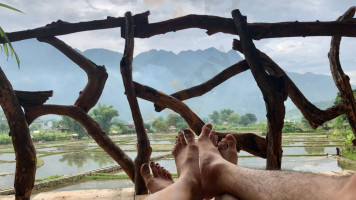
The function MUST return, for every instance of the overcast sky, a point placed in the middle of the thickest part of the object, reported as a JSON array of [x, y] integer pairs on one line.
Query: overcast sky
[[292, 54]]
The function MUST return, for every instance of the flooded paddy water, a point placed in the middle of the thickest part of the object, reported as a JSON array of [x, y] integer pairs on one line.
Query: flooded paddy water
[[301, 153]]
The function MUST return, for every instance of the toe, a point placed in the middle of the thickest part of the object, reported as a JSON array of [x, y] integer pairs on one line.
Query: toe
[[182, 140], [169, 175], [231, 141], [145, 172], [189, 135], [159, 170], [164, 173], [222, 145], [213, 138], [206, 130], [154, 169]]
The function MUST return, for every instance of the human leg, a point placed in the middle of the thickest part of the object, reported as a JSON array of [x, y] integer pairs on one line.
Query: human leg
[[219, 176], [188, 185]]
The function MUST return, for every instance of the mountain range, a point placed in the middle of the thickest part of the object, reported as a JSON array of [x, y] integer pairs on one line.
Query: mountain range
[[44, 68]]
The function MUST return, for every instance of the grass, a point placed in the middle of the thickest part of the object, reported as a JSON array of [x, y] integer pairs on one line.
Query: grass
[[350, 156], [49, 178], [39, 162]]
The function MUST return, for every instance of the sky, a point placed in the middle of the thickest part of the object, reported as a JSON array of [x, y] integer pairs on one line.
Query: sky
[[292, 54]]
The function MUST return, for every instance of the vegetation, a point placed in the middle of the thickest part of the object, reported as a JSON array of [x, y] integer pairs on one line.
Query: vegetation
[[163, 125], [228, 116]]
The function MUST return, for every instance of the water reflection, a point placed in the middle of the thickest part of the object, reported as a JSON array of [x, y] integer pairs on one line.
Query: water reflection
[[314, 150], [82, 158]]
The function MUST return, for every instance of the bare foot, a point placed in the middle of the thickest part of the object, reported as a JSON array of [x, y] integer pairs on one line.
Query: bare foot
[[160, 180], [212, 164], [227, 149], [188, 185]]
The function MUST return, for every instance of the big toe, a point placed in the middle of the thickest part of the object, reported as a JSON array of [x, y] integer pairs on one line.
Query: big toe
[[145, 172], [231, 141], [206, 130], [189, 135]]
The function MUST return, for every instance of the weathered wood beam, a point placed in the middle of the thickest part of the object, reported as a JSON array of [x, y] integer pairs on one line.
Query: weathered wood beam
[[341, 80], [92, 127], [212, 24], [97, 75], [255, 144], [144, 149], [62, 28], [21, 139], [27, 98], [272, 88], [210, 84], [315, 116]]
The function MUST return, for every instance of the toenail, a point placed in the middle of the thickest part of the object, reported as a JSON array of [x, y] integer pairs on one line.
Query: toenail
[[180, 132], [186, 131], [157, 164], [145, 166], [152, 163]]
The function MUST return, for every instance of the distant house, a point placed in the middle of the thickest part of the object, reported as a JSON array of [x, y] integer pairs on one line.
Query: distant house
[[36, 131], [225, 123], [172, 128], [62, 129], [75, 136], [114, 132]]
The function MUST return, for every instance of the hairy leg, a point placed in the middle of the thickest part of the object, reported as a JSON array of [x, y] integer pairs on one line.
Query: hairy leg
[[220, 176], [188, 185]]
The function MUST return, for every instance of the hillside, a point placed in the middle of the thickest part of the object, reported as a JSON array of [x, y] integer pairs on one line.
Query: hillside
[[45, 68]]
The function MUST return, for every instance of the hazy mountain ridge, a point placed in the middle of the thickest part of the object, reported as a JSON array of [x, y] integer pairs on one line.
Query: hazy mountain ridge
[[45, 68]]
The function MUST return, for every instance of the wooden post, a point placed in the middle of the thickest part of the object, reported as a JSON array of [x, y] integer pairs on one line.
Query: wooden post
[[144, 149], [273, 90], [21, 139], [341, 80]]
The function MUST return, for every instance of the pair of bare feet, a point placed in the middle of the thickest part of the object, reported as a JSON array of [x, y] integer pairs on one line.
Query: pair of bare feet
[[195, 181]]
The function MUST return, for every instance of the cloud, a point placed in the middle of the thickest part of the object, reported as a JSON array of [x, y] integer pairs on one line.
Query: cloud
[[293, 54]]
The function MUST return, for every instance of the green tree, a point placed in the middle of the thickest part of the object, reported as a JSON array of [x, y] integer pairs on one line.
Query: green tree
[[247, 119], [105, 116], [233, 118], [172, 119], [305, 123], [224, 114], [73, 126], [214, 117], [338, 122], [160, 125]]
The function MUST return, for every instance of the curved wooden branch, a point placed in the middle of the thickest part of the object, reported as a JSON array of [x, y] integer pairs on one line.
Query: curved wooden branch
[[28, 99], [62, 28], [144, 149], [97, 75], [212, 24], [21, 139], [313, 114], [210, 84], [92, 127], [256, 145], [341, 80], [272, 88]]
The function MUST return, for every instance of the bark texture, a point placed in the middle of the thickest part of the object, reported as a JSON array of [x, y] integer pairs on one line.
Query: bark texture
[[21, 139], [272, 88], [144, 149], [341, 80]]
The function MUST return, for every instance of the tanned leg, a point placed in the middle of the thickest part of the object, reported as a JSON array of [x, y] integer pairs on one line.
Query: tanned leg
[[220, 176], [188, 185]]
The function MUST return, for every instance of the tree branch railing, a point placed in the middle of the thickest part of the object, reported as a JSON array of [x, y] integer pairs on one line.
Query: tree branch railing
[[274, 84], [92, 127]]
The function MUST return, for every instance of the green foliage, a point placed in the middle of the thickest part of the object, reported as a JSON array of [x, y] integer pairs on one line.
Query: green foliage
[[73, 126], [228, 115], [248, 118], [305, 123], [6, 45], [338, 122], [160, 125], [54, 136], [5, 139], [105, 116], [291, 127]]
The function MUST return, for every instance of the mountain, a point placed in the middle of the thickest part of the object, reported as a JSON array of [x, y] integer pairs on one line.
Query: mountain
[[45, 68]]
